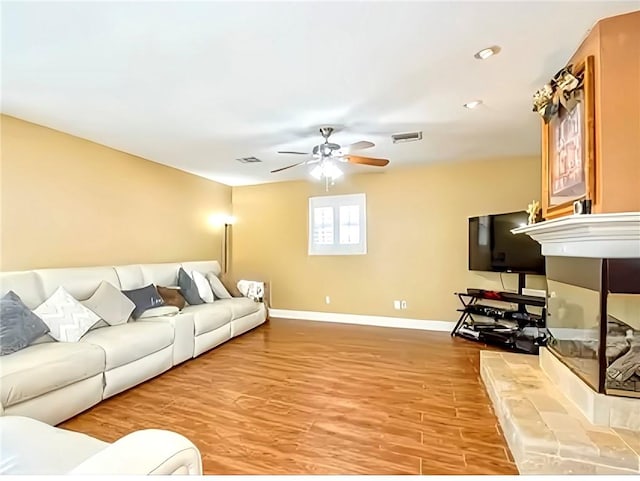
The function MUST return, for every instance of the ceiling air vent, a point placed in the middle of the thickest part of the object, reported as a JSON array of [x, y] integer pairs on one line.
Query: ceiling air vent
[[408, 137], [248, 160]]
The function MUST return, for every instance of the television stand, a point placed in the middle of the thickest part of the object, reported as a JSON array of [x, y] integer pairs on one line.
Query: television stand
[[522, 282], [515, 329]]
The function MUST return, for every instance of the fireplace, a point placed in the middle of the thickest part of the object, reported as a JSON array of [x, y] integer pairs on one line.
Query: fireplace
[[593, 313], [594, 320]]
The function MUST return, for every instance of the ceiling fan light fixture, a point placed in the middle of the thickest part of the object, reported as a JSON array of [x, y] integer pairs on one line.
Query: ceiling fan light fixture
[[485, 53], [326, 170], [473, 104]]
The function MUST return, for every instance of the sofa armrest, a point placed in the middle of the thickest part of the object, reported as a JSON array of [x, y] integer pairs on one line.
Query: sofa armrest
[[149, 451]]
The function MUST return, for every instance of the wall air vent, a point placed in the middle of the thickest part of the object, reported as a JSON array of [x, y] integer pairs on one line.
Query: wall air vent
[[407, 137], [248, 160]]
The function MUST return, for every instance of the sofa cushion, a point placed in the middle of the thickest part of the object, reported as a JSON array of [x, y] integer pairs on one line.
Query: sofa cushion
[[129, 277], [110, 304], [68, 320], [131, 341], [218, 287], [24, 283], [171, 296], [80, 282], [19, 327], [207, 317], [144, 298], [42, 368], [188, 288], [165, 274], [202, 266], [240, 306], [159, 312]]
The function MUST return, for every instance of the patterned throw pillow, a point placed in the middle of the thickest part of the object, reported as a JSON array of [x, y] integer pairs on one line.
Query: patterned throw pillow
[[172, 297], [188, 288], [144, 298], [67, 319], [19, 327], [204, 289]]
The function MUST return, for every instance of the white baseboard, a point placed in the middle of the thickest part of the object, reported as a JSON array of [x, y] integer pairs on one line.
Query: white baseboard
[[380, 321]]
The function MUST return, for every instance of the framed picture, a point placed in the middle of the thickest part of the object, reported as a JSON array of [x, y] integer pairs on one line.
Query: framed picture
[[569, 150]]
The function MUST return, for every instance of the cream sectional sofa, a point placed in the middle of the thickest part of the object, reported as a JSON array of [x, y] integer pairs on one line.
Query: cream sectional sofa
[[31, 447], [53, 381]]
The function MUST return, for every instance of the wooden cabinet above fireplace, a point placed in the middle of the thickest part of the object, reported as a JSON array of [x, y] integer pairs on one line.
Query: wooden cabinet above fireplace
[[611, 142]]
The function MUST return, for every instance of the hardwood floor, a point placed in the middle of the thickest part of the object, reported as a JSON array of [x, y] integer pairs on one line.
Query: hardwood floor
[[299, 397]]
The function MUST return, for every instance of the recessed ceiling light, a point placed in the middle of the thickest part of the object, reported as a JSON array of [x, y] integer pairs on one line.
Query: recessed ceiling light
[[485, 53], [473, 104]]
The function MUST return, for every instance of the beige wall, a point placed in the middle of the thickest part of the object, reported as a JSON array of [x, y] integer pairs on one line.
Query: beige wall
[[66, 201], [417, 238]]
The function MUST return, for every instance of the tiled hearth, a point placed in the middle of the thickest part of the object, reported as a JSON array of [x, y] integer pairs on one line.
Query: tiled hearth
[[547, 433]]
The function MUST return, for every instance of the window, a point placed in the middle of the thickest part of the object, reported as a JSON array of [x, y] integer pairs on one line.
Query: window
[[323, 226], [337, 225]]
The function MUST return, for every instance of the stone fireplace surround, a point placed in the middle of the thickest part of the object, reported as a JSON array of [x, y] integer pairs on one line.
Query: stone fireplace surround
[[553, 421]]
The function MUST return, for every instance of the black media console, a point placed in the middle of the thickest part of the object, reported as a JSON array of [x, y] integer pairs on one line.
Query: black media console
[[512, 328]]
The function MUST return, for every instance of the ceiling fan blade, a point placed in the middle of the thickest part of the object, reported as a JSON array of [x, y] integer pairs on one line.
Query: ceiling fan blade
[[363, 144], [288, 167], [355, 159], [292, 152]]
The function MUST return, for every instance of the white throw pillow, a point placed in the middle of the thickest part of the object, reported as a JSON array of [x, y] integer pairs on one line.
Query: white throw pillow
[[218, 287], [204, 289], [67, 319], [110, 304]]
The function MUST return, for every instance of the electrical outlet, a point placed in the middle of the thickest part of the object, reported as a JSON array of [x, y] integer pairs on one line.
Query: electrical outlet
[[403, 304], [327, 300], [396, 305]]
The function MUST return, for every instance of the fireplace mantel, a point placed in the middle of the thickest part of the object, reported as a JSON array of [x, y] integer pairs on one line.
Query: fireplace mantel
[[588, 235]]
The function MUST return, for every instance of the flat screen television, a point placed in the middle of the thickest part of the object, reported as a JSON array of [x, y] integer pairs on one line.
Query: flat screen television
[[492, 246]]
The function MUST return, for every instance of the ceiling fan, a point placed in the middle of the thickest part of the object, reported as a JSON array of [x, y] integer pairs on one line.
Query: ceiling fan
[[325, 153]]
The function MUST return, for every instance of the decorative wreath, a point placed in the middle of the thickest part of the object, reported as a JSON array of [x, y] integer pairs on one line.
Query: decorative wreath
[[561, 90]]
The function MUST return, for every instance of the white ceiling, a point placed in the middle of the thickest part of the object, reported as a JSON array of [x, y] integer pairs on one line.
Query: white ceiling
[[196, 85]]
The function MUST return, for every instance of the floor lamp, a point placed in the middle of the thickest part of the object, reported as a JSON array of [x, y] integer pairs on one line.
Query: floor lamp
[[226, 243]]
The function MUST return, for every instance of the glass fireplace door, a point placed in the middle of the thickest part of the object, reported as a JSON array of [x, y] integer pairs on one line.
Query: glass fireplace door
[[573, 314], [593, 316]]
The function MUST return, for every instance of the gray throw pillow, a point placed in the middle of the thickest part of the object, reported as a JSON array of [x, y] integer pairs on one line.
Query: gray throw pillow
[[188, 288], [19, 327], [110, 304], [144, 298]]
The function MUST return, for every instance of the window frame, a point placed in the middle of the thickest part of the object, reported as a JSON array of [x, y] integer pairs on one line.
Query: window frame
[[335, 202]]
